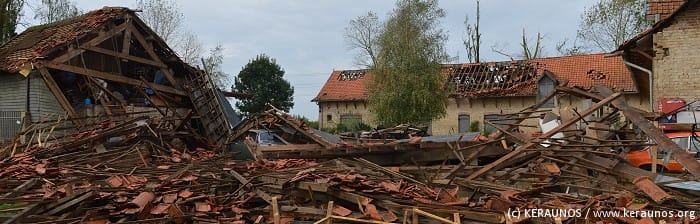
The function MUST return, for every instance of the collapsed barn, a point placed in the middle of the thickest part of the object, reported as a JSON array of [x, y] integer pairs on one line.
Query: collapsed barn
[[130, 172], [105, 62]]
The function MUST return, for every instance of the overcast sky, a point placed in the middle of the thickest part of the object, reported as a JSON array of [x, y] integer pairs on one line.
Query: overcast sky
[[306, 36]]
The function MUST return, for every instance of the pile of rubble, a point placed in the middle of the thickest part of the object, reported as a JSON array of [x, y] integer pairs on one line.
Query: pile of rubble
[[143, 169]]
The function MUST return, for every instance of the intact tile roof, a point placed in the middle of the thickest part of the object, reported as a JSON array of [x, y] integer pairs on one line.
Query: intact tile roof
[[498, 79], [39, 41], [587, 70], [663, 7]]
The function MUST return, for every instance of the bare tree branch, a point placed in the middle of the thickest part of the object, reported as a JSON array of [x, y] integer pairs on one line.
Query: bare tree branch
[[361, 34], [50, 11], [609, 23]]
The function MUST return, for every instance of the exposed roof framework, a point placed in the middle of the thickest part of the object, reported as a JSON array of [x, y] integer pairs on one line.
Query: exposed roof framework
[[112, 57], [517, 78]]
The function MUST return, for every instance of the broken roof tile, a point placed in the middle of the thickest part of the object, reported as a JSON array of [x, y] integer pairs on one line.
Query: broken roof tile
[[582, 71]]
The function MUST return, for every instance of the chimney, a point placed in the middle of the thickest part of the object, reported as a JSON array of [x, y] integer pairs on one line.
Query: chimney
[[660, 9]]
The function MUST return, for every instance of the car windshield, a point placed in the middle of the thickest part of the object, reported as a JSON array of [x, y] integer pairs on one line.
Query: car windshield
[[681, 141], [266, 136], [693, 145]]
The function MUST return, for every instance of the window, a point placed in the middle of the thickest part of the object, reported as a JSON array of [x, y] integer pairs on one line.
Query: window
[[463, 123], [501, 120], [545, 86], [329, 117], [350, 119]]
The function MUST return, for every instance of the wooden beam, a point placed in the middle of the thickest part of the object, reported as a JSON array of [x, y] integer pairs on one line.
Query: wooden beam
[[149, 49], [56, 91], [94, 42], [113, 77], [123, 56], [665, 143], [126, 43], [546, 135]]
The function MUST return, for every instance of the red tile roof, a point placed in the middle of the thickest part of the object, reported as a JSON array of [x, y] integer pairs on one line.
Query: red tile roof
[[39, 41], [587, 70], [581, 71], [339, 88], [663, 7]]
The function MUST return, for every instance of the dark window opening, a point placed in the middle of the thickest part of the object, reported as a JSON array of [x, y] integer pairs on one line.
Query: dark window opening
[[464, 122]]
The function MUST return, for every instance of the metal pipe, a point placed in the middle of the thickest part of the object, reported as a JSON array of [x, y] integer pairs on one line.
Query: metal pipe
[[651, 81]]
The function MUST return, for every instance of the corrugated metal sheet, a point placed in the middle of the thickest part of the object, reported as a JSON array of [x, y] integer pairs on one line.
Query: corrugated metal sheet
[[10, 124]]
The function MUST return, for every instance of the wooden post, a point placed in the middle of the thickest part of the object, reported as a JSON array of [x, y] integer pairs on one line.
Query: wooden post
[[329, 212], [405, 216], [275, 211], [414, 217], [654, 157], [458, 220]]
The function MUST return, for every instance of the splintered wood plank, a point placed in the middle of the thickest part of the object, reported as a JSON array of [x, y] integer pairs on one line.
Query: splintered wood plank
[[548, 134], [665, 143]]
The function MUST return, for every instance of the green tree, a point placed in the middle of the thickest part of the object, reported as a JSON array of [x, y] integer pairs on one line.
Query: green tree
[[50, 11], [407, 86], [10, 13], [263, 78], [607, 24]]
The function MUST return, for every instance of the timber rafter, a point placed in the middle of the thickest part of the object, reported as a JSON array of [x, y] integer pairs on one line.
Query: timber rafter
[[129, 32]]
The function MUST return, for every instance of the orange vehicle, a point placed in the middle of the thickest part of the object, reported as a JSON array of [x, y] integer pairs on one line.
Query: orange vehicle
[[686, 140]]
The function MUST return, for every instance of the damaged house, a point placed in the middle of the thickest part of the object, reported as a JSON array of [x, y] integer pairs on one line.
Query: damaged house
[[105, 62], [488, 91], [664, 61]]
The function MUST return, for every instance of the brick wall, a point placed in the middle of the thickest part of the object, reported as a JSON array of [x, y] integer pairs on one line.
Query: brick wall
[[677, 57]]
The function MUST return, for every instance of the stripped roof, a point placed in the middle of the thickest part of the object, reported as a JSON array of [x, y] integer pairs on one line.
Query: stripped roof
[[497, 79], [516, 78], [40, 41]]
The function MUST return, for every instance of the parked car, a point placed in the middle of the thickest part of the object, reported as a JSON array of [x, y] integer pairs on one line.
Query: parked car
[[686, 140], [261, 137], [265, 137]]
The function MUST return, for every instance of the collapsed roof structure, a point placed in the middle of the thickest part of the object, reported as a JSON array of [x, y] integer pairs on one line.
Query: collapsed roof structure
[[108, 61]]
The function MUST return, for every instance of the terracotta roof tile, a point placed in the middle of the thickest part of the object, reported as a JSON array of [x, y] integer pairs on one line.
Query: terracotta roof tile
[[663, 7], [581, 71], [587, 70], [339, 88], [39, 41]]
